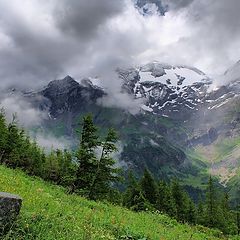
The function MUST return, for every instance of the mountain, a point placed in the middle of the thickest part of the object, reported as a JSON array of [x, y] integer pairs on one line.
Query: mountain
[[142, 143], [184, 128], [171, 91]]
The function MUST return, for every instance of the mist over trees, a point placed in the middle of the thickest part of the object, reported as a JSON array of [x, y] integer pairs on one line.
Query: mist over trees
[[91, 172]]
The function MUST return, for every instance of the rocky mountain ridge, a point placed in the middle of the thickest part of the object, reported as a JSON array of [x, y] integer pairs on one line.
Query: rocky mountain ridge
[[180, 113]]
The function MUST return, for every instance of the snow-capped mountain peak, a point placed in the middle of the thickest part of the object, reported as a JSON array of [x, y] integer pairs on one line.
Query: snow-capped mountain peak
[[168, 89]]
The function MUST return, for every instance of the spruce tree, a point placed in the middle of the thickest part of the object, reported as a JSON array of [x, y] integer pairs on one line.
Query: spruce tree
[[191, 212], [181, 200], [86, 157], [211, 205], [149, 187], [131, 191], [200, 213], [238, 219], [3, 135], [95, 176], [165, 201], [106, 172]]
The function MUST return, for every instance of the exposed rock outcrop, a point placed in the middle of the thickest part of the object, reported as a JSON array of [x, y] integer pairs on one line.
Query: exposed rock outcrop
[[10, 206]]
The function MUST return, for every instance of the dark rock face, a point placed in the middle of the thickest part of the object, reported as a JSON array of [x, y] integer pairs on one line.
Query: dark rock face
[[67, 95], [10, 206], [205, 139], [174, 91]]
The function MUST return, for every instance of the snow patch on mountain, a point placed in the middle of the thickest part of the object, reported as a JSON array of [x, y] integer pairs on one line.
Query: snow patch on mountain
[[166, 88]]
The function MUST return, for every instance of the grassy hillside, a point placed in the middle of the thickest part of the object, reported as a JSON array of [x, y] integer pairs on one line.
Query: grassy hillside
[[223, 157], [49, 213]]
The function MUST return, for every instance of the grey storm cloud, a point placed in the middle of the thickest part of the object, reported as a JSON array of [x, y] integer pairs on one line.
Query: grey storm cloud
[[177, 4], [40, 39], [84, 18], [45, 40]]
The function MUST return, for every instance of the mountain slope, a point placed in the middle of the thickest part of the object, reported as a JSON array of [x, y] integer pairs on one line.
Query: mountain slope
[[143, 141], [49, 213], [173, 91], [181, 114]]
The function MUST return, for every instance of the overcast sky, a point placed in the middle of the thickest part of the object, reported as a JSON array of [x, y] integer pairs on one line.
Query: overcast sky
[[41, 40]]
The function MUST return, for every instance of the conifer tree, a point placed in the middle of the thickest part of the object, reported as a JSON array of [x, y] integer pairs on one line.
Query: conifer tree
[[191, 212], [67, 169], [238, 219], [211, 205], [131, 191], [165, 202], [3, 135], [86, 158], [106, 173], [200, 213], [149, 187], [94, 176], [181, 200]]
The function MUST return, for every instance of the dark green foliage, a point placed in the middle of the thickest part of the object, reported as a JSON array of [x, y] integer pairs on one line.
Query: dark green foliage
[[90, 175], [165, 201], [191, 216], [131, 191], [238, 219], [149, 187], [211, 204], [86, 157], [134, 198], [181, 200], [106, 173], [18, 150], [200, 213], [171, 199], [4, 135], [95, 175]]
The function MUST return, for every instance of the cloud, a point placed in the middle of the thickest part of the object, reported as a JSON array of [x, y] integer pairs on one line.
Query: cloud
[[27, 115], [45, 40], [177, 4], [83, 19], [48, 141], [42, 39]]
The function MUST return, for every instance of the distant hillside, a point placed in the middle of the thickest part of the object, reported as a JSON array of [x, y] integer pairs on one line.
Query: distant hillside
[[49, 213]]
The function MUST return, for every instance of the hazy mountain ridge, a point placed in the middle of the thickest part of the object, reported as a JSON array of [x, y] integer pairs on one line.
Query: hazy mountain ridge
[[180, 112]]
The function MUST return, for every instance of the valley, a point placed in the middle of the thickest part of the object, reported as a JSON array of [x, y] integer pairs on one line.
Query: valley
[[183, 129]]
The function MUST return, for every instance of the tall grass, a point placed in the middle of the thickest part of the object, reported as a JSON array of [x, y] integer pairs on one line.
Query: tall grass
[[49, 213]]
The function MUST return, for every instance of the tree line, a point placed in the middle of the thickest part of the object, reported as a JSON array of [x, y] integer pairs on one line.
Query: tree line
[[91, 172], [212, 211], [81, 172]]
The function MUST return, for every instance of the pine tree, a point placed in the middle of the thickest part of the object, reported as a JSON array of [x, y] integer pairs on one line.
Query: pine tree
[[141, 203], [131, 191], [86, 158], [133, 197], [181, 200], [106, 173], [13, 145], [3, 135], [165, 202], [191, 212], [211, 205], [238, 219], [67, 169], [95, 176], [149, 187], [200, 214]]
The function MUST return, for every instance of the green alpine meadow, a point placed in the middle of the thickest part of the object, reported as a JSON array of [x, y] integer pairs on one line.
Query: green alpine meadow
[[49, 213], [120, 119]]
